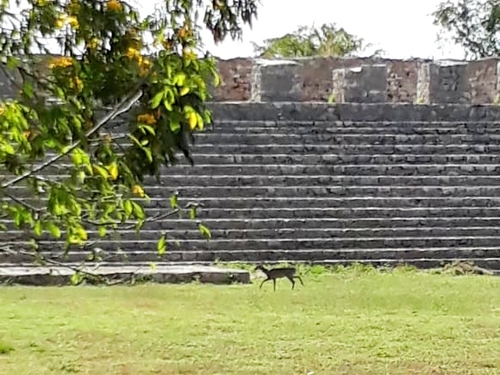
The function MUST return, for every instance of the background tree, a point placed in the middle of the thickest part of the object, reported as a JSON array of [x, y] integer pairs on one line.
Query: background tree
[[472, 24], [306, 41], [146, 68]]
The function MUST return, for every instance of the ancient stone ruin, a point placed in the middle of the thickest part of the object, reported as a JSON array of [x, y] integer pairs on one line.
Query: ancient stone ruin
[[333, 161]]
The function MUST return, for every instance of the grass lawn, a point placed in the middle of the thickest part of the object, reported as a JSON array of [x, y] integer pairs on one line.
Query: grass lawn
[[348, 322]]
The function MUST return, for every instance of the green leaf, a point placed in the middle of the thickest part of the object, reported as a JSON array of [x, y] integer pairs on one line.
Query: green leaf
[[175, 126], [76, 278], [8, 149], [205, 231], [180, 79], [173, 201], [162, 244], [37, 229], [216, 80], [81, 233], [138, 211], [155, 102], [149, 128], [129, 209], [53, 229], [102, 230], [148, 153], [193, 212], [101, 171], [28, 89]]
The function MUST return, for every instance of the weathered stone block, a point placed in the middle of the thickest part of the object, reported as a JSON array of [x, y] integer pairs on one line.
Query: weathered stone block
[[443, 82], [276, 81], [235, 75], [482, 75], [363, 84]]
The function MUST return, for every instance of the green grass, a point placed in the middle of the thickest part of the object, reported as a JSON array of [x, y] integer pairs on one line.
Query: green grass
[[353, 321]]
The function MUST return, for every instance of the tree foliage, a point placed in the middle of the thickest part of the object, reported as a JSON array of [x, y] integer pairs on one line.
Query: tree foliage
[[472, 24], [307, 41], [144, 67]]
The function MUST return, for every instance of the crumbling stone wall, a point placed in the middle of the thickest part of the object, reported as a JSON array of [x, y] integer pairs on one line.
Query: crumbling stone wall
[[474, 82]]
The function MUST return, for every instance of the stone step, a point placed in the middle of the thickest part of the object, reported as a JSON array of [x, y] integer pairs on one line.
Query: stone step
[[307, 193], [211, 204], [173, 182], [398, 169], [372, 138], [492, 264], [291, 244], [343, 202], [302, 128], [347, 169], [353, 213], [337, 166], [326, 159], [282, 233], [294, 148], [344, 159], [309, 223], [309, 255], [340, 191], [178, 180], [327, 223], [61, 276], [322, 111], [224, 122]]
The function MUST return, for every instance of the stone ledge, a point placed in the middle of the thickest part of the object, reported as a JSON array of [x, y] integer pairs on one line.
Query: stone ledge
[[163, 274], [318, 111]]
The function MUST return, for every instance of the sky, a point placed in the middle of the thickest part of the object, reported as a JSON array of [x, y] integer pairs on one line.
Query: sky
[[402, 28]]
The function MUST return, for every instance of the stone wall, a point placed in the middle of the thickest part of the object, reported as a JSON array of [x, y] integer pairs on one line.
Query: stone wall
[[316, 79], [372, 80]]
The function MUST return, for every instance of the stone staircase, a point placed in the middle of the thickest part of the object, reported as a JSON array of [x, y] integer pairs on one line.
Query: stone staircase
[[317, 183]]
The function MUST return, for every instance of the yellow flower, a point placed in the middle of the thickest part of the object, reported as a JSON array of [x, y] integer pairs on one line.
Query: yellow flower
[[144, 66], [147, 119], [76, 83], [132, 53], [138, 190], [93, 43], [114, 5], [59, 23], [61, 62], [73, 22], [63, 19]]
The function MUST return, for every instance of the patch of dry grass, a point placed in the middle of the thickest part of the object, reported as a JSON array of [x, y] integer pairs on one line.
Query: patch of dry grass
[[350, 322]]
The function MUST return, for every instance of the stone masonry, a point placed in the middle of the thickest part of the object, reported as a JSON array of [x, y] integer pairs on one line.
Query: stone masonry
[[407, 81], [403, 167]]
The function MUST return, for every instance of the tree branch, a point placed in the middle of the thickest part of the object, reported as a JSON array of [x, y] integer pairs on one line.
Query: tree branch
[[124, 106], [68, 266], [147, 220]]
